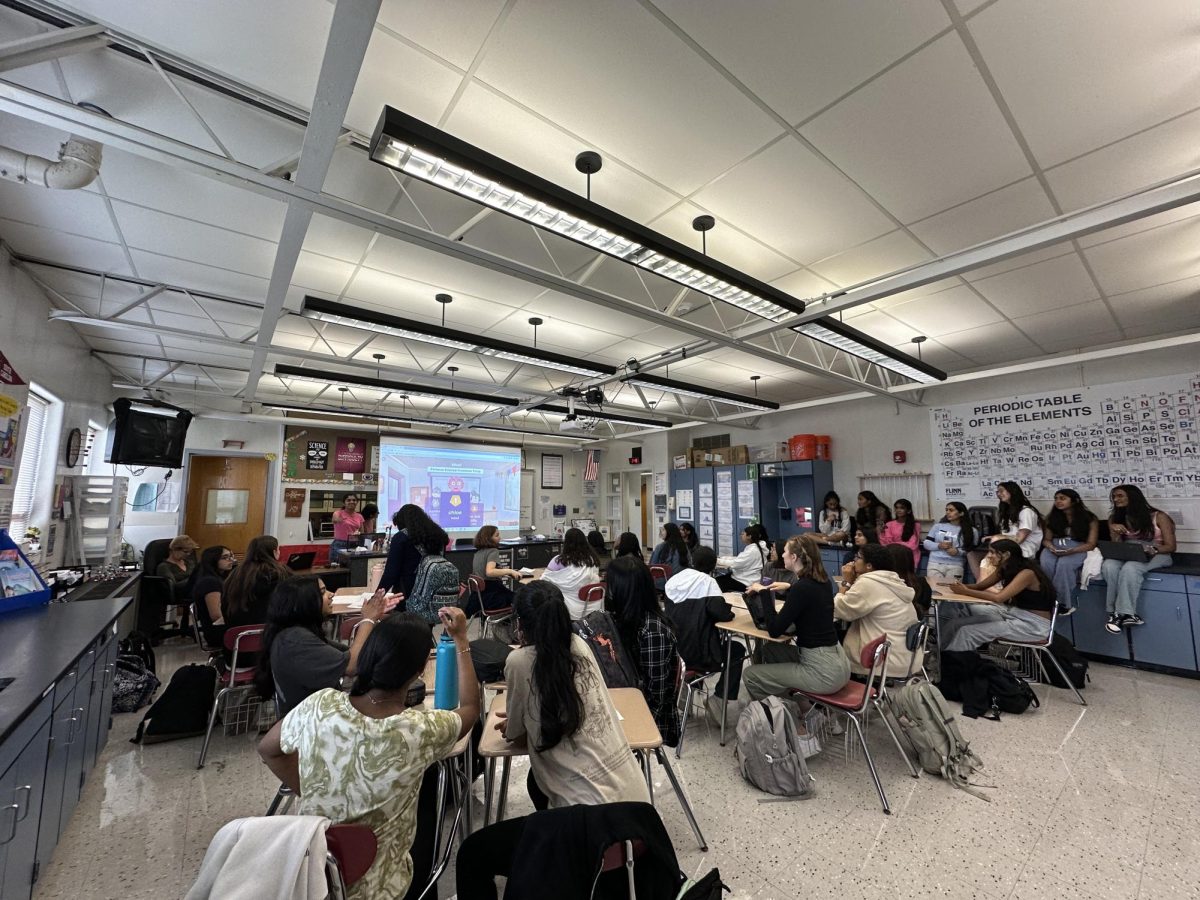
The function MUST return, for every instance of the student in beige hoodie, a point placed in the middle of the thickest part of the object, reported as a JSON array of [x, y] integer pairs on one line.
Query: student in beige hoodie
[[875, 601]]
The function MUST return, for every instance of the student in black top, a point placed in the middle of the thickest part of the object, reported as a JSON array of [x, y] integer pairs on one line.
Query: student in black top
[[596, 541], [296, 659], [688, 532], [208, 582], [248, 589], [418, 535], [816, 662], [872, 514], [1019, 611]]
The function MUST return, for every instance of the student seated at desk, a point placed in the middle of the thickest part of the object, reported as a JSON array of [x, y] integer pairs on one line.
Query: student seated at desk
[[596, 541], [815, 662], [875, 601], [695, 605], [208, 583], [179, 565], [1019, 611], [297, 660], [248, 588], [628, 545], [872, 514], [1018, 521], [902, 565], [574, 566], [747, 567], [557, 701], [486, 564], [671, 550], [360, 758], [649, 638], [688, 532]]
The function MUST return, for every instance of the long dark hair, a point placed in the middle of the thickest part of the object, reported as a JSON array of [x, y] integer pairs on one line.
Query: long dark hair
[[1017, 563], [259, 562], [910, 521], [631, 597], [832, 495], [295, 602], [546, 626], [688, 532], [425, 534], [1008, 513], [596, 541], [1077, 525], [209, 566], [576, 551], [758, 537], [874, 514], [393, 654], [966, 529], [628, 545], [674, 541], [1138, 515]]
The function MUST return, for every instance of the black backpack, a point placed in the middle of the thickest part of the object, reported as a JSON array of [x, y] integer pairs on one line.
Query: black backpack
[[488, 657], [985, 689], [183, 709], [1071, 661], [138, 645], [600, 632], [133, 683], [1009, 693]]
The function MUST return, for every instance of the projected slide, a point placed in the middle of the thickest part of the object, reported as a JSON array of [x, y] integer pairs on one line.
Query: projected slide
[[461, 488]]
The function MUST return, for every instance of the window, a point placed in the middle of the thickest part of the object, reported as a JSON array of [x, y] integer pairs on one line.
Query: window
[[89, 441], [29, 464]]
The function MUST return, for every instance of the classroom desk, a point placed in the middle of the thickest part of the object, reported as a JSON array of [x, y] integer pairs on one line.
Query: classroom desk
[[741, 626], [935, 601], [640, 731]]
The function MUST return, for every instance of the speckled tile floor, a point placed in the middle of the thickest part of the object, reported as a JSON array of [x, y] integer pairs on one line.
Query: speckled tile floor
[[1088, 804]]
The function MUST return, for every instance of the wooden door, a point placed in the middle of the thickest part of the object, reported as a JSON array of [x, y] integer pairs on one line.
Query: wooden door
[[226, 501]]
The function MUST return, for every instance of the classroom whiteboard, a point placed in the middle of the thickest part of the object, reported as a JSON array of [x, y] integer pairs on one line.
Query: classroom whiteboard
[[1141, 432]]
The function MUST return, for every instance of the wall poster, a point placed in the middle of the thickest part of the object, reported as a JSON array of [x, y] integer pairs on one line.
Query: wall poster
[[552, 470], [13, 394], [317, 458]]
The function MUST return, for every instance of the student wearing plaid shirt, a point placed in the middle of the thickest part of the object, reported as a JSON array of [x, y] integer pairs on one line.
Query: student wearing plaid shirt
[[649, 637]]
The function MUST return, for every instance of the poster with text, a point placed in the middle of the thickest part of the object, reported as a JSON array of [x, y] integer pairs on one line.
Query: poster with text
[[1142, 432], [351, 455], [14, 393], [317, 458]]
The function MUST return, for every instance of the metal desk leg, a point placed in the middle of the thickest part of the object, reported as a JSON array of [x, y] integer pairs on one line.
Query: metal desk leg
[[489, 782], [468, 797], [683, 800], [443, 792], [937, 630], [502, 802], [647, 773], [725, 680]]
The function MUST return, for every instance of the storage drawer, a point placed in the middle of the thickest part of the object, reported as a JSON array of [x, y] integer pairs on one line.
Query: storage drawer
[[1193, 585], [15, 742], [64, 688], [1166, 638], [1157, 581]]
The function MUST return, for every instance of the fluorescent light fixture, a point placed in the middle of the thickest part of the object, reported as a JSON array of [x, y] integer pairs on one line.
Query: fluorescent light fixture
[[502, 429], [690, 390], [415, 148], [413, 330], [320, 376], [584, 413], [837, 334]]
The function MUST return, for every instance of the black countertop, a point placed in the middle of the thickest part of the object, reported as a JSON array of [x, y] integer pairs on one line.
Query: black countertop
[[39, 646]]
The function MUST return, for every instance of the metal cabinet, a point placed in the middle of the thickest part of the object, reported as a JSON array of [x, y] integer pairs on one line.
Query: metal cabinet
[[112, 648], [24, 804], [81, 706], [63, 724], [1166, 638], [1088, 625]]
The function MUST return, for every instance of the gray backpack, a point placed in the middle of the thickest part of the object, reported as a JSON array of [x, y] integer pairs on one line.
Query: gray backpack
[[768, 753], [933, 733]]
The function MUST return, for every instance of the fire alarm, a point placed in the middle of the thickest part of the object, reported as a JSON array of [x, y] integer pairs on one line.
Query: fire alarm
[[899, 456]]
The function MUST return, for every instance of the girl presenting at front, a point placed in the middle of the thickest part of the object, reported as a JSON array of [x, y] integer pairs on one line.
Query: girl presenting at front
[[557, 701], [1133, 519], [747, 567], [1019, 611], [903, 529], [1071, 531], [947, 542]]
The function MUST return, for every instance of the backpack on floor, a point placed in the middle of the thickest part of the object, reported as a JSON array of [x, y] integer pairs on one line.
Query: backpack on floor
[[1009, 693], [768, 752], [133, 683], [599, 631], [137, 644], [708, 887], [933, 733], [183, 709], [1073, 664], [985, 688]]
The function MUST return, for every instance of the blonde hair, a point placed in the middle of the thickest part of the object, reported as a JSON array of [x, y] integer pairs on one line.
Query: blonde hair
[[808, 551]]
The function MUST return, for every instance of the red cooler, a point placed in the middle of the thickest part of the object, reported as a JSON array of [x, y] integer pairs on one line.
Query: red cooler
[[802, 446], [824, 447]]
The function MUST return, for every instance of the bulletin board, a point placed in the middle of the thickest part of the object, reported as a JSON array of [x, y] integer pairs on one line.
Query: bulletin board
[[1142, 432]]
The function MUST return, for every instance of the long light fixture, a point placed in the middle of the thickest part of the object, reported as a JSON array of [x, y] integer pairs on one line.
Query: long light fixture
[[690, 390], [585, 413], [413, 330], [415, 148], [320, 376], [829, 330]]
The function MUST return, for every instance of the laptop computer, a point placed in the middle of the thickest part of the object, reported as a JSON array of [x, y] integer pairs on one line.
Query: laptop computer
[[1126, 551], [754, 606], [300, 561]]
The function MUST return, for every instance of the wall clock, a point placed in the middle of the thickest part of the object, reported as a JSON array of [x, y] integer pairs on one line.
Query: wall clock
[[74, 446]]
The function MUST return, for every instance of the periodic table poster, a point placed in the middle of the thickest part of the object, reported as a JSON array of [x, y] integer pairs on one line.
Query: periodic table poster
[[1143, 432]]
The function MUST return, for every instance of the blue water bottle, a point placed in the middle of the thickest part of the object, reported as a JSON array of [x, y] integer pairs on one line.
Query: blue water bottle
[[445, 687]]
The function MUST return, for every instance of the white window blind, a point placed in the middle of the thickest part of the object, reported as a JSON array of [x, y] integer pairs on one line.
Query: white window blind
[[88, 443], [30, 463]]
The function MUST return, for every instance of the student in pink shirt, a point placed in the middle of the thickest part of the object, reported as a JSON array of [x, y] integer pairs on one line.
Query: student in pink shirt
[[347, 525], [903, 529]]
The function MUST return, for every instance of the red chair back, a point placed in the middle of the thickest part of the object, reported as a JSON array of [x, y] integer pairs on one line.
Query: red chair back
[[660, 570], [614, 855], [592, 593], [354, 847], [346, 627], [476, 584], [866, 658], [242, 639]]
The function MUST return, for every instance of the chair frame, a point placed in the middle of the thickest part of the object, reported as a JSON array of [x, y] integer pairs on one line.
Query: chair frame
[[1038, 649], [688, 688], [198, 632], [335, 867], [253, 635], [488, 619], [874, 695], [586, 592]]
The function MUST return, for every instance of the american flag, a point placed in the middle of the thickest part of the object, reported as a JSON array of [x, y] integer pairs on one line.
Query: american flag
[[591, 470]]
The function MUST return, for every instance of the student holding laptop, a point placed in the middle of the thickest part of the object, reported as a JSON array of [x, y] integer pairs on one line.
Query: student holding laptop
[[1143, 538]]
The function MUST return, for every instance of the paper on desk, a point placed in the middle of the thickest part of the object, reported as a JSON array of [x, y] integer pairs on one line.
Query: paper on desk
[[354, 602], [525, 571]]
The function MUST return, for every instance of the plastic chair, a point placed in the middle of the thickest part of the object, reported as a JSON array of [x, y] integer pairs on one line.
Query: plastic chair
[[351, 853], [243, 639], [489, 618], [1037, 649], [691, 681], [919, 642], [661, 570], [856, 700], [622, 856], [592, 593]]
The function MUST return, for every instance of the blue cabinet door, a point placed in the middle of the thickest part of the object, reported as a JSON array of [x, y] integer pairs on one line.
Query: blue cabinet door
[[1166, 638], [110, 671], [63, 721], [28, 784], [1088, 626], [77, 741]]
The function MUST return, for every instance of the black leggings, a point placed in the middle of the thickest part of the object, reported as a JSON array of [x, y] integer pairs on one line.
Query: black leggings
[[728, 583]]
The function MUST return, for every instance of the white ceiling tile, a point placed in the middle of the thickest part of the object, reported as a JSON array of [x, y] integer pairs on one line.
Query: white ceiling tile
[[1019, 262], [794, 202], [631, 283], [1149, 223], [395, 74], [630, 85], [1177, 302], [75, 212], [199, 276], [804, 283], [1062, 281], [252, 136], [870, 260], [29, 240], [998, 213], [493, 123], [414, 300], [925, 290], [451, 29], [918, 158], [554, 307], [1163, 254], [1074, 326], [956, 309], [320, 273], [725, 244], [335, 238], [168, 235], [800, 57], [556, 334], [352, 176], [1076, 79], [991, 344]]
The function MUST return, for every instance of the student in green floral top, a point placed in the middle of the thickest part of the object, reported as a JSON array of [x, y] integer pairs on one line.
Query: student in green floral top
[[360, 758]]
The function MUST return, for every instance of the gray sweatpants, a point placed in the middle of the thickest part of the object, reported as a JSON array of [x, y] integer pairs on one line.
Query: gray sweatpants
[[820, 670], [968, 626]]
